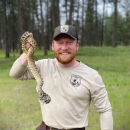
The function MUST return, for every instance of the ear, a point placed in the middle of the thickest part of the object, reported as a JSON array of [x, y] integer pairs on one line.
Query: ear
[[52, 45], [77, 45]]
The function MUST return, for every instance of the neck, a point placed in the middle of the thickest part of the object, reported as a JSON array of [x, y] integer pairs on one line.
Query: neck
[[71, 64]]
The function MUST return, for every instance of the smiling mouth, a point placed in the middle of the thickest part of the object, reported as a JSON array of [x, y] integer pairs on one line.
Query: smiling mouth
[[64, 53]]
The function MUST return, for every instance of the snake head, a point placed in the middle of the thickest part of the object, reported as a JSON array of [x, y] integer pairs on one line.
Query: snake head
[[23, 41], [26, 38]]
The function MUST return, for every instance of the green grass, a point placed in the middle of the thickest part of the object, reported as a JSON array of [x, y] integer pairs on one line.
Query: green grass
[[19, 106]]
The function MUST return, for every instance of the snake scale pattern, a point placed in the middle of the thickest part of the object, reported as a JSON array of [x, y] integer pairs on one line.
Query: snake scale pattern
[[26, 38]]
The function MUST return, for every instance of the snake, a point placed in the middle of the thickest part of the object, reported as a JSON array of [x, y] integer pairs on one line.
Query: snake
[[26, 38]]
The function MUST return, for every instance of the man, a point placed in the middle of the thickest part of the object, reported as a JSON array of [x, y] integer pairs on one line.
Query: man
[[71, 85]]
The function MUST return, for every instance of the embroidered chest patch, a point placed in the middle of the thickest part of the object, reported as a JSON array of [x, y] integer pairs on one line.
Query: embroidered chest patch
[[75, 80]]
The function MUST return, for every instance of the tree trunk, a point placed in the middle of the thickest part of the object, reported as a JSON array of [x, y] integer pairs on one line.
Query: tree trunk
[[71, 12], [96, 24], [114, 37], [66, 5], [1, 39], [20, 21], [42, 29], [102, 29], [55, 13], [6, 40], [47, 25], [82, 33], [89, 23]]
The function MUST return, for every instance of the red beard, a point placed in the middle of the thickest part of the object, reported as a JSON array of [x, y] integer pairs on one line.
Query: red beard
[[65, 58]]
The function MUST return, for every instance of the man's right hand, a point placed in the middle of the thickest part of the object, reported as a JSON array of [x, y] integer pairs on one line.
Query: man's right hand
[[28, 44], [23, 57]]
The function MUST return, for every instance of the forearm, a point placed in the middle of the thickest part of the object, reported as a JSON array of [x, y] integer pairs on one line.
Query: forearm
[[18, 69], [23, 59], [106, 120]]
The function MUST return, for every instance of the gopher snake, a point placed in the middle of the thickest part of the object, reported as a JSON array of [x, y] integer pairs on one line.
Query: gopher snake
[[26, 38]]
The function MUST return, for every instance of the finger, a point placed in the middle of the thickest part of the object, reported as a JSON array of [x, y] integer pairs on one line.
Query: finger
[[28, 45], [31, 34]]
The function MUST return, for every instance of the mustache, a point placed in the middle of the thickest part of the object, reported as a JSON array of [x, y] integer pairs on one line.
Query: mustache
[[65, 52]]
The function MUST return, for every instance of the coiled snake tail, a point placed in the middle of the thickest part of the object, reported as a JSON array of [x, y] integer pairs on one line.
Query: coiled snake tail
[[26, 38]]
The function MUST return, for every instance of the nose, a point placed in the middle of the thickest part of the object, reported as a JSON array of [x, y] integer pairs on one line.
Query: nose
[[64, 46]]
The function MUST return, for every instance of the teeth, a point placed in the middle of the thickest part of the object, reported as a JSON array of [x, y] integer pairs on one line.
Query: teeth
[[64, 53]]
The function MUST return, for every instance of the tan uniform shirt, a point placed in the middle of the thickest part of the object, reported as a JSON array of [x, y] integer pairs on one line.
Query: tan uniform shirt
[[71, 90]]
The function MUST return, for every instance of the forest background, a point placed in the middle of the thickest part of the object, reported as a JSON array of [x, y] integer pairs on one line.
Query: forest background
[[104, 34], [99, 22]]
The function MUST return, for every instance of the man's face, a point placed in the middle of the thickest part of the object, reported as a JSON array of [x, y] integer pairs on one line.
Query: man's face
[[65, 48]]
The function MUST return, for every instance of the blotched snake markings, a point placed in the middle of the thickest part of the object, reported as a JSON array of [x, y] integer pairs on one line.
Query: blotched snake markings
[[26, 38]]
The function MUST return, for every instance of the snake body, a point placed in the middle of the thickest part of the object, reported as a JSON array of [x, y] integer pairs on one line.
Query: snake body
[[26, 38]]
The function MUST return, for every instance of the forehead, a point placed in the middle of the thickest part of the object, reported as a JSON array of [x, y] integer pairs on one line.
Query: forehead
[[62, 36]]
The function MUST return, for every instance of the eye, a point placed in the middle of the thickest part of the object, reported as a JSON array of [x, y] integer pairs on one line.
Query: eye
[[69, 42], [60, 42]]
